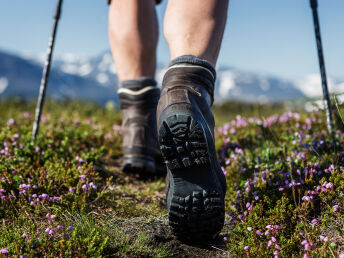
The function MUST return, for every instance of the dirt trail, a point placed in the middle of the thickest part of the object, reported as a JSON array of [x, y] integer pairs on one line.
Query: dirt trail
[[157, 228]]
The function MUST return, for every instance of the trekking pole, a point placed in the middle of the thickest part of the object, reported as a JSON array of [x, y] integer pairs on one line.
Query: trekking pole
[[314, 6], [46, 72]]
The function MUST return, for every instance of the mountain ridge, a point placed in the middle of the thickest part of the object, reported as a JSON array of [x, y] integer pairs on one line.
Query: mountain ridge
[[95, 79]]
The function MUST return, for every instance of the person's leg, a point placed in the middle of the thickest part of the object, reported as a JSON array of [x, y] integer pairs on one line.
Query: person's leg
[[197, 185], [133, 32], [195, 27]]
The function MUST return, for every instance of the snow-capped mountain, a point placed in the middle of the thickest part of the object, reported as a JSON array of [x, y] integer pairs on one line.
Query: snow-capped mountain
[[20, 77], [95, 79], [234, 84]]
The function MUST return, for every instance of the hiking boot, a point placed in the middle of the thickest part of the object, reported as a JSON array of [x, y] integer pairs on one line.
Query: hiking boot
[[197, 185], [138, 100]]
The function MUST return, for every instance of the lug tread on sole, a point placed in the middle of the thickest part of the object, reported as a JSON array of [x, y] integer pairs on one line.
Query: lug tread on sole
[[197, 217], [182, 142]]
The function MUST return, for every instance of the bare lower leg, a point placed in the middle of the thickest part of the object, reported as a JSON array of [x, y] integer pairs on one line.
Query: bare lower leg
[[133, 32], [195, 27]]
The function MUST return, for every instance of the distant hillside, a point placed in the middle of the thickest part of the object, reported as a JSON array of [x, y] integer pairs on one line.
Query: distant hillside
[[20, 77], [95, 79]]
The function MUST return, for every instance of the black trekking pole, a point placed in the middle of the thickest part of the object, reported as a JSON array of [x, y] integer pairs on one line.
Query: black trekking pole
[[314, 6], [46, 72]]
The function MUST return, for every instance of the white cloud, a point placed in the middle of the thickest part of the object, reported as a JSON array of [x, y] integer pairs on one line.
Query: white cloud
[[310, 85], [102, 78], [227, 83], [3, 84]]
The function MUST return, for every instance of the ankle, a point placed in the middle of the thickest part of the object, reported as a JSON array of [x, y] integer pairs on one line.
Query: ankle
[[193, 72], [142, 91]]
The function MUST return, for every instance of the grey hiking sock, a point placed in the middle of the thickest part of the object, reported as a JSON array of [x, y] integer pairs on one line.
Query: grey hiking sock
[[138, 83]]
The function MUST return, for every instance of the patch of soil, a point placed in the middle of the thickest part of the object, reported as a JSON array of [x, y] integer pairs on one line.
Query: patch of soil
[[157, 229], [111, 166]]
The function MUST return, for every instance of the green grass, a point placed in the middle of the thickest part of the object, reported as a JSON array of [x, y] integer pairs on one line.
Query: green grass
[[72, 172]]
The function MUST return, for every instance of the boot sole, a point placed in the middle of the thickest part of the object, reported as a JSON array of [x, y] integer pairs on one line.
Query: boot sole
[[195, 197]]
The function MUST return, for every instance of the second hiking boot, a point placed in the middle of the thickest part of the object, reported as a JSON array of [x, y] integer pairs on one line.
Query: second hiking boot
[[197, 186], [138, 100]]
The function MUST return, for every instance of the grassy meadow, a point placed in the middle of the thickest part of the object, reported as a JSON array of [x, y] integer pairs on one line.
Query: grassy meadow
[[65, 195]]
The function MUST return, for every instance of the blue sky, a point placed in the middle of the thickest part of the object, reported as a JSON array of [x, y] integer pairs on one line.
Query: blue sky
[[272, 36]]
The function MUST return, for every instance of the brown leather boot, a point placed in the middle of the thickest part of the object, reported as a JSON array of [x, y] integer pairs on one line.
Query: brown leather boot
[[197, 186], [138, 100]]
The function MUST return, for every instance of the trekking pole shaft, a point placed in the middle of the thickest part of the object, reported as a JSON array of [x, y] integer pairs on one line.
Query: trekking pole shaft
[[46, 72], [314, 5]]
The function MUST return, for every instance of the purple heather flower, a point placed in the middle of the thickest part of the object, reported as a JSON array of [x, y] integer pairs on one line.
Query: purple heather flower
[[247, 248], [277, 246], [83, 178], [26, 114], [248, 205], [10, 122], [269, 243], [70, 228], [24, 235], [71, 190], [341, 255], [84, 187], [267, 232], [225, 239], [93, 185], [306, 256], [325, 239], [44, 196], [56, 199], [249, 229], [21, 256], [4, 251], [224, 170], [329, 186], [258, 232], [306, 198], [268, 227], [47, 230], [314, 221], [53, 216], [80, 160], [273, 239], [52, 231], [59, 227], [335, 208]]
